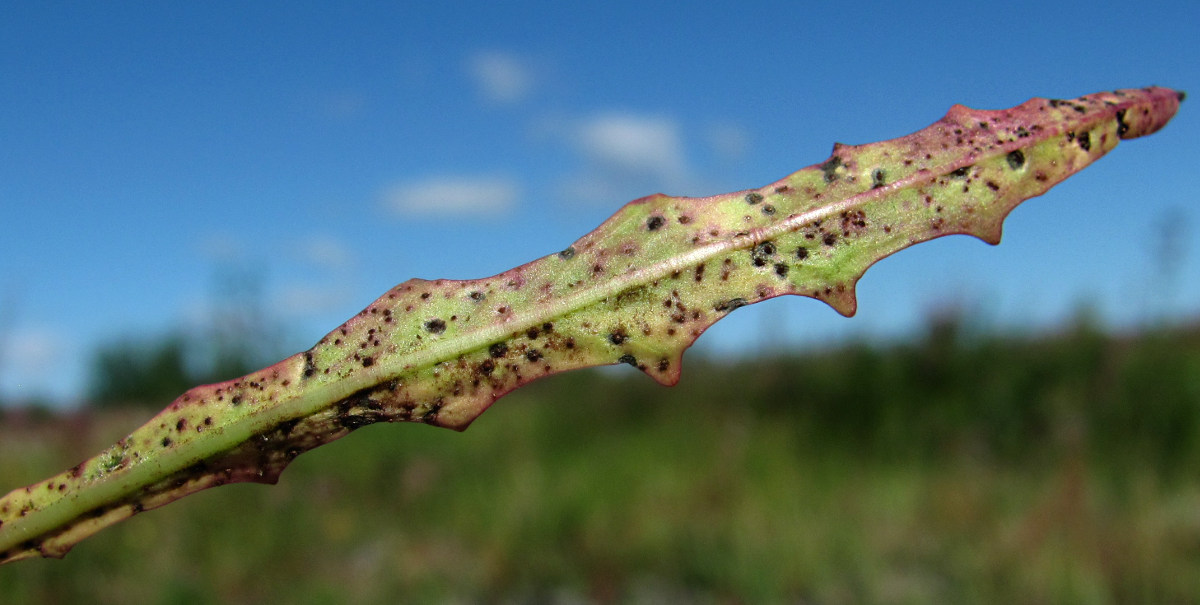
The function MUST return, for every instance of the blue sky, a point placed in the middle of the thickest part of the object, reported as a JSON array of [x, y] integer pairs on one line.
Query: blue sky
[[330, 151]]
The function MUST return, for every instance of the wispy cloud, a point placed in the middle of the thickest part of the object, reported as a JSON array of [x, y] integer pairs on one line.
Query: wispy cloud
[[326, 252], [501, 77], [625, 154], [306, 300], [459, 195], [727, 141], [633, 144], [35, 362]]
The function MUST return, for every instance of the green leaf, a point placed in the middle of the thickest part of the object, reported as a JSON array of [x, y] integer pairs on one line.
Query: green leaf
[[638, 290]]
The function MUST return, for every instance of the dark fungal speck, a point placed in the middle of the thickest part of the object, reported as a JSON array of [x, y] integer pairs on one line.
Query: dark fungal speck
[[617, 336], [730, 305], [1016, 159], [781, 269], [477, 296], [655, 223], [877, 178], [368, 362], [354, 421], [309, 367], [961, 172], [829, 168], [629, 359], [498, 350], [801, 253], [753, 198], [1085, 141], [567, 254], [435, 326], [487, 367], [532, 333], [166, 442], [699, 273], [829, 239], [768, 209], [533, 355], [762, 252], [1122, 127]]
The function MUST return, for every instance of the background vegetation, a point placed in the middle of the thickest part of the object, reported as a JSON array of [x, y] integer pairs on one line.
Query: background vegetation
[[959, 467]]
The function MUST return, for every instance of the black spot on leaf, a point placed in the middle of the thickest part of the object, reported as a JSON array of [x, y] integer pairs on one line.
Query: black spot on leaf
[[435, 326], [1122, 127], [829, 168], [801, 253], [498, 350], [1016, 159], [618, 336], [629, 359], [309, 367], [655, 223], [753, 198], [877, 178], [731, 304], [761, 253], [567, 254]]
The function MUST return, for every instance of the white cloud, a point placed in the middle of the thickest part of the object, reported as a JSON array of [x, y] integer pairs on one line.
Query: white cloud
[[38, 362], [626, 155], [633, 144], [327, 252], [453, 195], [304, 300], [32, 349], [501, 77], [727, 141]]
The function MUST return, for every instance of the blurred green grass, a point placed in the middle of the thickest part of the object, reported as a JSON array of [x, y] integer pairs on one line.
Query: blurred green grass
[[959, 468]]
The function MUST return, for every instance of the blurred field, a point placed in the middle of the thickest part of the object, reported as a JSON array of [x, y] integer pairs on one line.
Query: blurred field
[[957, 469]]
